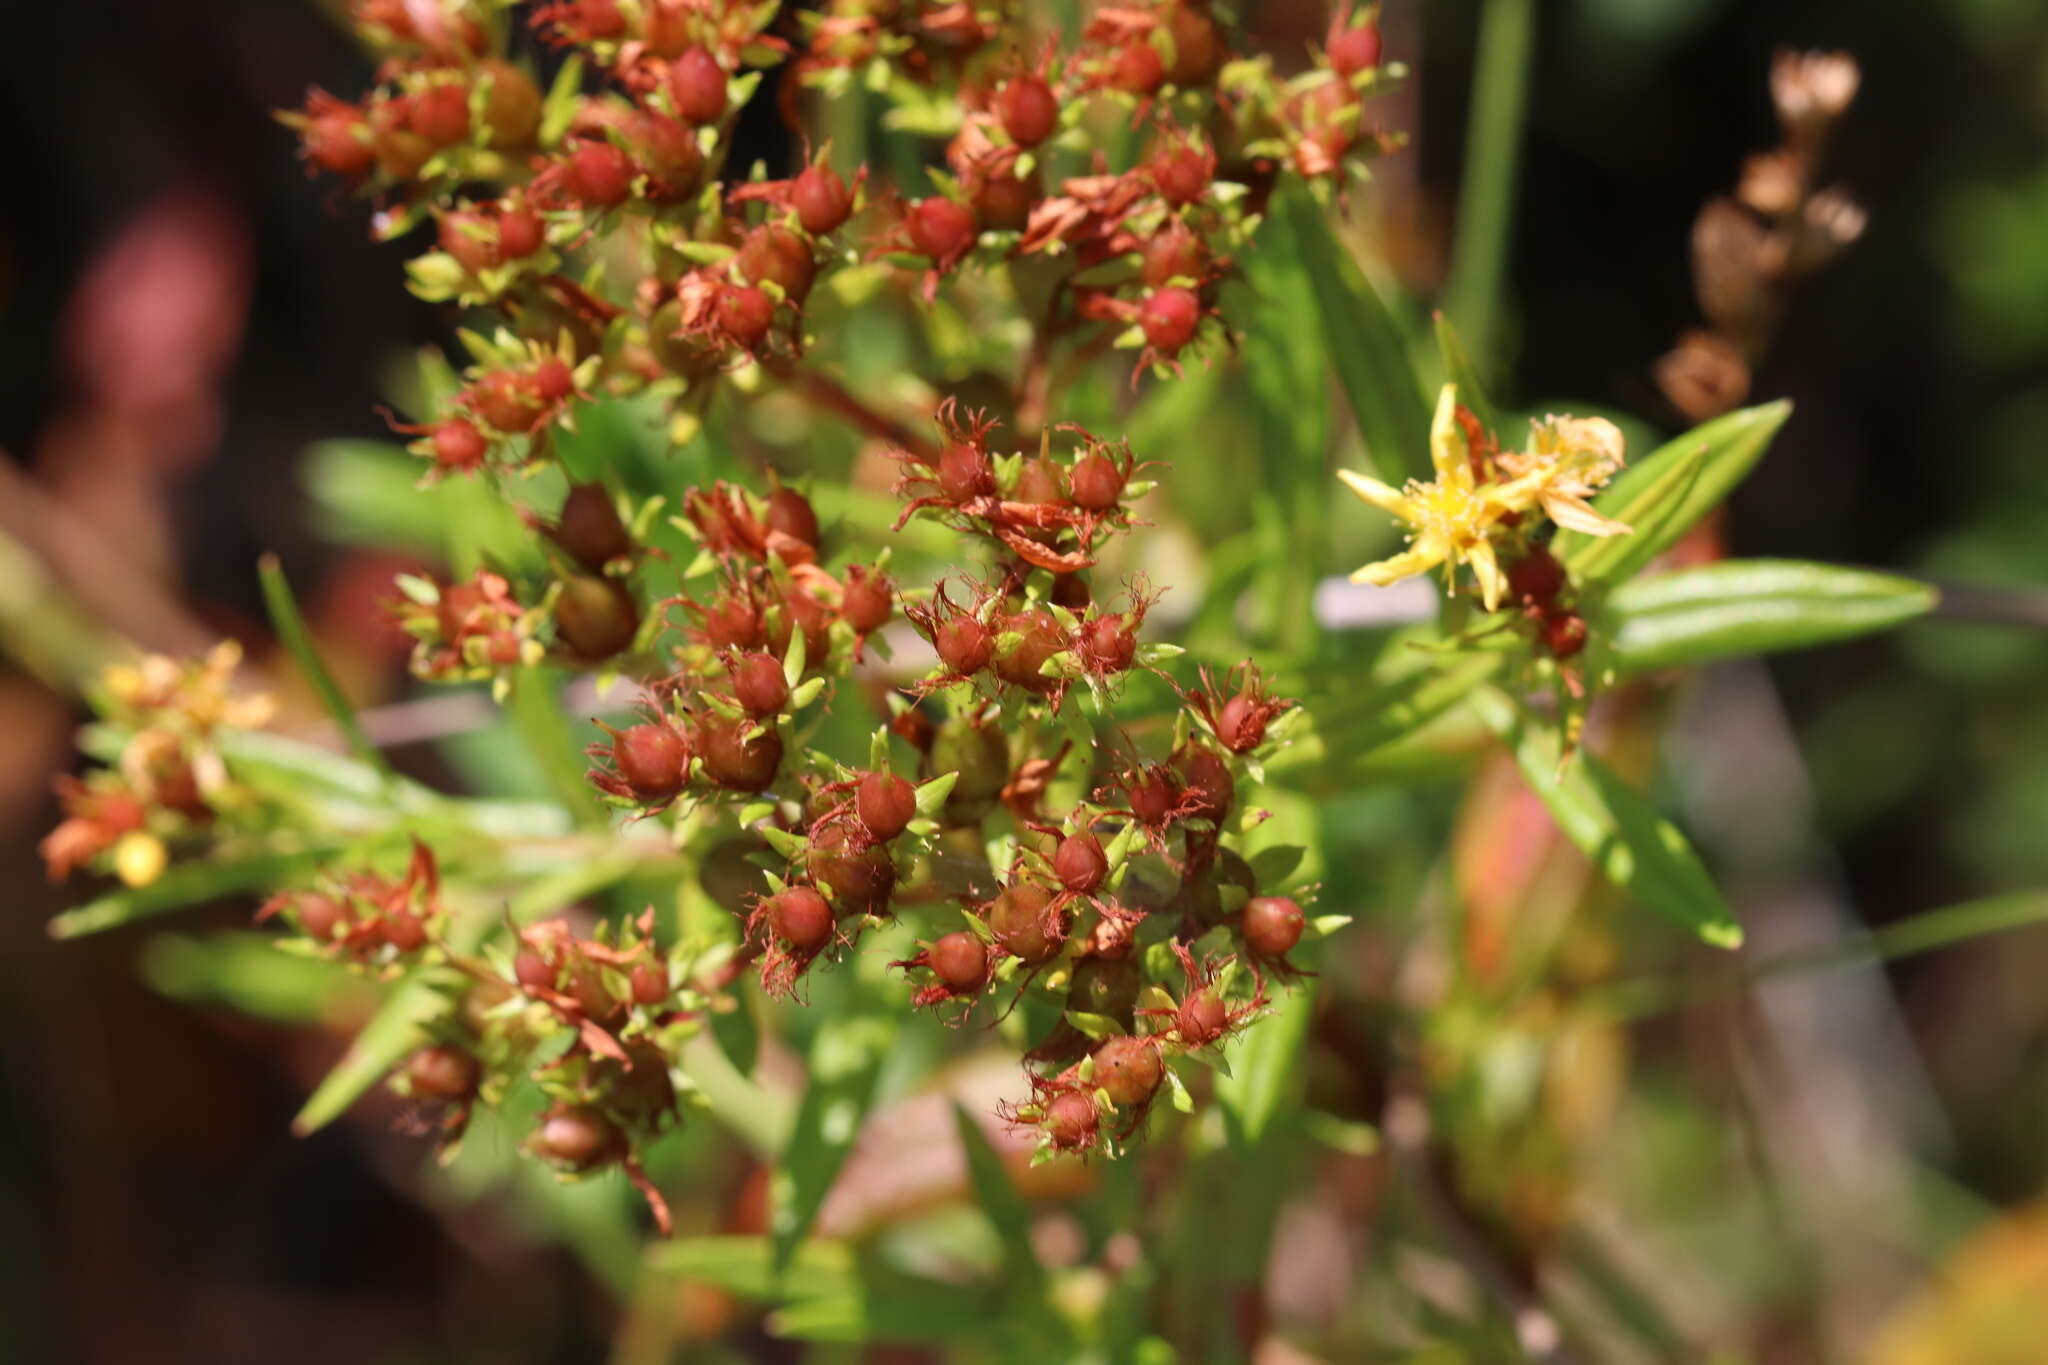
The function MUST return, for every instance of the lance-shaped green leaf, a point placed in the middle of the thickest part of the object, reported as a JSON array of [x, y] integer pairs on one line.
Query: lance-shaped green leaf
[[1348, 734], [187, 884], [291, 630], [1001, 1203], [1751, 606], [1458, 369], [746, 1266], [1366, 347], [1664, 495], [1643, 854], [845, 1062], [892, 1308], [1266, 1070]]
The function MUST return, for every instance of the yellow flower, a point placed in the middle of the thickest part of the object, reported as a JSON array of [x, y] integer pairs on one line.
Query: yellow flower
[[1571, 459], [1452, 517], [139, 858], [1456, 517]]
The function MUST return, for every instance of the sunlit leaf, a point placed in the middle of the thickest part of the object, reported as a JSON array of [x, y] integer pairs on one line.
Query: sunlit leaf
[[1751, 606], [1643, 854], [1664, 495]]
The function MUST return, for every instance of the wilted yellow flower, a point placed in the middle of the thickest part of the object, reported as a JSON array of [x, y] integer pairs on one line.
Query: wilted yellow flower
[[1456, 517], [1569, 460], [199, 693]]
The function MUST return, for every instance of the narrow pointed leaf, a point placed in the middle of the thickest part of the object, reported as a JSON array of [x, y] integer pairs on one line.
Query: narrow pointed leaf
[[844, 1064], [1643, 854], [1751, 606], [1662, 508], [1001, 1203], [292, 632], [1366, 347], [1458, 370], [183, 885]]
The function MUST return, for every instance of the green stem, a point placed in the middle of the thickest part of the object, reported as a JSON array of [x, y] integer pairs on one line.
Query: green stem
[[292, 632], [1630, 1000], [1500, 90]]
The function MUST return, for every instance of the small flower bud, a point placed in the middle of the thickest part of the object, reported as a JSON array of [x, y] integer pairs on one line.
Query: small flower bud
[[1272, 925], [1129, 1071]]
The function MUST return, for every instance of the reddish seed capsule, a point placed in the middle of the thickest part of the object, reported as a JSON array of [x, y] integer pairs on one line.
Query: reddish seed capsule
[[1129, 1070], [652, 760], [759, 685], [805, 611], [532, 971], [1201, 1019], [861, 879], [553, 380], [649, 983], [801, 918], [1180, 173], [404, 931], [965, 473], [1197, 46], [1207, 786], [1080, 863], [578, 1138], [468, 238], [697, 83], [1003, 202], [1239, 725], [1355, 49], [668, 149], [886, 804], [791, 513], [1028, 110], [1038, 481], [1272, 925], [735, 762], [440, 114], [939, 228], [869, 601], [595, 18], [771, 252], [1108, 644], [521, 232], [1138, 68], [1170, 318], [960, 961], [964, 645], [318, 916], [1070, 1121], [1153, 793], [505, 402], [821, 198], [595, 617], [1564, 635], [1097, 483], [512, 105], [1023, 926], [332, 140], [1174, 252], [598, 175], [1536, 577], [1041, 639], [745, 314], [458, 445], [446, 1075], [588, 527], [733, 621]]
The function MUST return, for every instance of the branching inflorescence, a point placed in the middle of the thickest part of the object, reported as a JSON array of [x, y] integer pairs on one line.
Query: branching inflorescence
[[1043, 844]]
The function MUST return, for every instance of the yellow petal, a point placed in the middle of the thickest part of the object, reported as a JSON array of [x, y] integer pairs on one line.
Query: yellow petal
[[139, 858], [1575, 515], [1415, 559], [1446, 440], [1493, 584], [1378, 494]]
